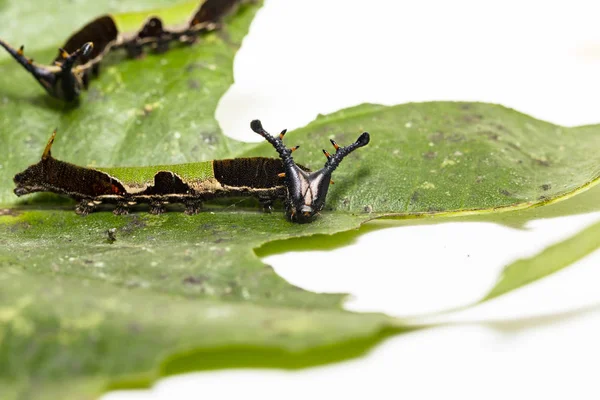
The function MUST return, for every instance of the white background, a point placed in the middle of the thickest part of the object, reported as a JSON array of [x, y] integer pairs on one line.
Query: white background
[[304, 57]]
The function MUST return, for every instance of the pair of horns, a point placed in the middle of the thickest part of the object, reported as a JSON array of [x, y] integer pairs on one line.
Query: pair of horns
[[285, 153]]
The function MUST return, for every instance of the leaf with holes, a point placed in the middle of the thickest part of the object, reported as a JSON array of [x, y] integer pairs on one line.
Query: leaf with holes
[[98, 302]]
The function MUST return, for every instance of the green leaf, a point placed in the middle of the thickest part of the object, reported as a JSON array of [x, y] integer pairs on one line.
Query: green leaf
[[67, 337], [446, 157], [79, 313], [549, 261]]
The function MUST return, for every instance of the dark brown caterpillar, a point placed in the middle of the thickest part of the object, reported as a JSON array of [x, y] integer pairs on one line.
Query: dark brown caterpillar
[[268, 179], [82, 53]]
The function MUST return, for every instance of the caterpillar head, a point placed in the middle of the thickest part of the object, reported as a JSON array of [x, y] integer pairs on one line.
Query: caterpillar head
[[63, 80], [306, 191], [31, 179]]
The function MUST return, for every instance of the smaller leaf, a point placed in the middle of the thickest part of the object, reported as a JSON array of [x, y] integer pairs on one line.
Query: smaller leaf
[[549, 261]]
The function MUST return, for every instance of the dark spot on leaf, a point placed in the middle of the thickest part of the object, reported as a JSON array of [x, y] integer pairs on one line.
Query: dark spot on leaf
[[505, 192], [368, 209], [466, 106], [546, 186], [479, 179], [19, 226], [193, 66], [111, 235], [430, 155], [134, 224], [543, 163], [415, 197], [209, 138], [472, 117], [206, 226], [436, 137], [193, 84], [194, 280], [492, 136], [455, 137], [135, 327]]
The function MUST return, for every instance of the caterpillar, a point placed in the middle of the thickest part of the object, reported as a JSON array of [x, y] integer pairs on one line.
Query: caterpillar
[[81, 55], [268, 179]]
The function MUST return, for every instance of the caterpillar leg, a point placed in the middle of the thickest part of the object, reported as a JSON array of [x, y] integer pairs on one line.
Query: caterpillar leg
[[192, 207], [158, 207], [161, 46], [134, 50], [122, 208], [85, 207], [267, 203]]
